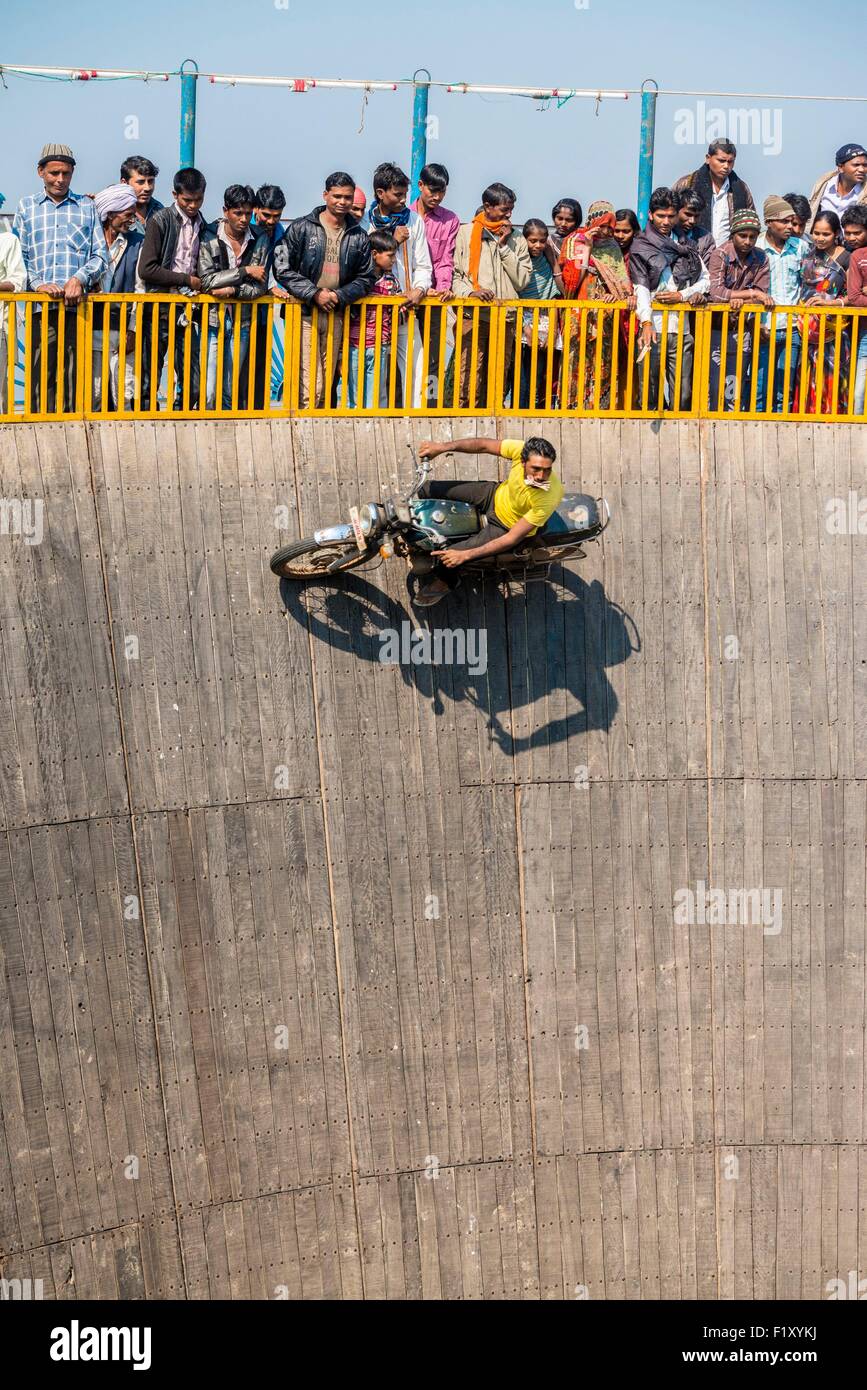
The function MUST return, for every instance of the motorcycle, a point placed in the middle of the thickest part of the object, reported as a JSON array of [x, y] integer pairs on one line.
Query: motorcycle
[[415, 528]]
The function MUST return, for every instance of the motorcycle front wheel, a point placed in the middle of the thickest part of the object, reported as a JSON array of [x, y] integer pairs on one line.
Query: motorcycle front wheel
[[305, 559]]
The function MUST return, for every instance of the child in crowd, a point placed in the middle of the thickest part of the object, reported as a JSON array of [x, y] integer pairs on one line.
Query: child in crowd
[[546, 282], [362, 369]]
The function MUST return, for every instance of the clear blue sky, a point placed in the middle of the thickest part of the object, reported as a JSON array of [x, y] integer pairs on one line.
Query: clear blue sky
[[256, 134]]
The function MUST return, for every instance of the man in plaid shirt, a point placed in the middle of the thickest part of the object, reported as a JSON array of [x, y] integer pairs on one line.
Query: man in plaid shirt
[[65, 256]]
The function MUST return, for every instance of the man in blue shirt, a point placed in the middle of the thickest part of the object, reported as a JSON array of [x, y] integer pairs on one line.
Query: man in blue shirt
[[65, 257], [785, 252]]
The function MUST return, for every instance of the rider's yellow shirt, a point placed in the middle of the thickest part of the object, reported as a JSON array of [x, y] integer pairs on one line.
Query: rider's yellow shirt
[[514, 499]]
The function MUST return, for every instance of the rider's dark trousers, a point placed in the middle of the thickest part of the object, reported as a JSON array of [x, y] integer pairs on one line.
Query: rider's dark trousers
[[479, 495]]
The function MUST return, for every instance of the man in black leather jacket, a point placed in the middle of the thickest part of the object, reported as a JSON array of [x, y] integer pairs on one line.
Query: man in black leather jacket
[[324, 260]]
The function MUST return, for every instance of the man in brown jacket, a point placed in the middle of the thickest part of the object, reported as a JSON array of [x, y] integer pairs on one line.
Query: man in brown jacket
[[843, 187]]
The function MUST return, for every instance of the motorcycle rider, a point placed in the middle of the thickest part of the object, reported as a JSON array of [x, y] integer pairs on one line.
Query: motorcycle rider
[[512, 510]]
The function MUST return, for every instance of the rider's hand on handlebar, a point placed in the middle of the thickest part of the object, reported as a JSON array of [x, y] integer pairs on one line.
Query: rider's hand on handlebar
[[428, 449]]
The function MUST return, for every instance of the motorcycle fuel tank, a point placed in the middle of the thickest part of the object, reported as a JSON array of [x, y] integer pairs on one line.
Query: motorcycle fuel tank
[[452, 519]]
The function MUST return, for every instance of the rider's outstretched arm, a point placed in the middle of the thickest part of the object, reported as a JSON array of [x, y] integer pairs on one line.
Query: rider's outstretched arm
[[475, 444]]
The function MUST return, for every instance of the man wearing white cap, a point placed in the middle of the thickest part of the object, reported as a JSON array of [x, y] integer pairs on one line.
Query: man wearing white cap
[[65, 256], [116, 209]]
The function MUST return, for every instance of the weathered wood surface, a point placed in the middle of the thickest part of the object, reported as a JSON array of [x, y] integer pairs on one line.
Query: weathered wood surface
[[325, 978]]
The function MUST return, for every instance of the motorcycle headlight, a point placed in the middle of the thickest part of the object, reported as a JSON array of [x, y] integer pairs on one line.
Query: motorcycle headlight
[[371, 519]]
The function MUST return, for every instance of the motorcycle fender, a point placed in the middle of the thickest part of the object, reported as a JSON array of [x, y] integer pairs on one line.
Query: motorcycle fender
[[329, 534]]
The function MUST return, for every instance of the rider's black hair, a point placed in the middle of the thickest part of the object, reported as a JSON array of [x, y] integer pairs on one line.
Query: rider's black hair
[[540, 447]]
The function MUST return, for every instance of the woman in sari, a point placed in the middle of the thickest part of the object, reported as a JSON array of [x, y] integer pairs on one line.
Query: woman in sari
[[823, 279], [593, 269]]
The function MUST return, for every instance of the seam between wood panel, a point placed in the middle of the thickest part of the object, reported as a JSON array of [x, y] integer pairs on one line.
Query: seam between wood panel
[[335, 929], [88, 428], [703, 477]]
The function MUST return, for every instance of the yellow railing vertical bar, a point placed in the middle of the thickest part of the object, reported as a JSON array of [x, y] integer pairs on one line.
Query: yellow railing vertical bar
[[426, 344], [138, 330], [497, 383], [84, 358], [328, 374], [236, 355], [680, 320], [835, 369], [343, 392], [474, 356], [565, 358], [441, 359], [631, 339], [105, 343], [663, 363], [313, 364], [11, 344], [740, 363], [43, 364], [393, 356], [857, 325], [613, 390], [756, 352], [187, 359], [293, 347], [170, 358], [219, 350], [820, 362], [382, 361], [251, 357], [29, 393], [534, 361], [60, 361], [121, 359], [154, 348], [599, 314], [409, 384], [582, 361], [269, 357], [459, 341]]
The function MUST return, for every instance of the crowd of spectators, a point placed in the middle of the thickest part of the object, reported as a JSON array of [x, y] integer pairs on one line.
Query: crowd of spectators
[[704, 243]]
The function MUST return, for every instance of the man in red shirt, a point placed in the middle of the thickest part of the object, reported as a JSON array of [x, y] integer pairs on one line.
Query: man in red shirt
[[856, 296]]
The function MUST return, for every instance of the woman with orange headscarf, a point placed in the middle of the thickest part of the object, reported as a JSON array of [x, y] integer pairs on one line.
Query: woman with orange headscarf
[[593, 268]]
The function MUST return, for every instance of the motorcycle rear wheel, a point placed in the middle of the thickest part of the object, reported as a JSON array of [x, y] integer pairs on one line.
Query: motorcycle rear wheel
[[305, 559]]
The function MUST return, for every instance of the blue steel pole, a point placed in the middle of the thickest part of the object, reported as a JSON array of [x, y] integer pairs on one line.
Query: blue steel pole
[[188, 113], [419, 129], [645, 154]]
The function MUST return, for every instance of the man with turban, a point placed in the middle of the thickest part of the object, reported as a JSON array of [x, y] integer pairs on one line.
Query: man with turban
[[116, 210]]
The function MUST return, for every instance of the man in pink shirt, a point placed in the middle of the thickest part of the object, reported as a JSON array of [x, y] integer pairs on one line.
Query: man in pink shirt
[[441, 230]]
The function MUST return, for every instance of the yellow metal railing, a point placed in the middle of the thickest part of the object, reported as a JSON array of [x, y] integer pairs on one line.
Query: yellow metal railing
[[198, 357]]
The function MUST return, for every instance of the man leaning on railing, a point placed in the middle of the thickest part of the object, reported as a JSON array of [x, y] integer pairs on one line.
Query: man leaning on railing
[[324, 261], [65, 256]]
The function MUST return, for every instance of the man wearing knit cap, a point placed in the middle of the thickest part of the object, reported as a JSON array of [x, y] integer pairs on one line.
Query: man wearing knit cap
[[843, 187], [739, 275], [785, 252], [65, 257]]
